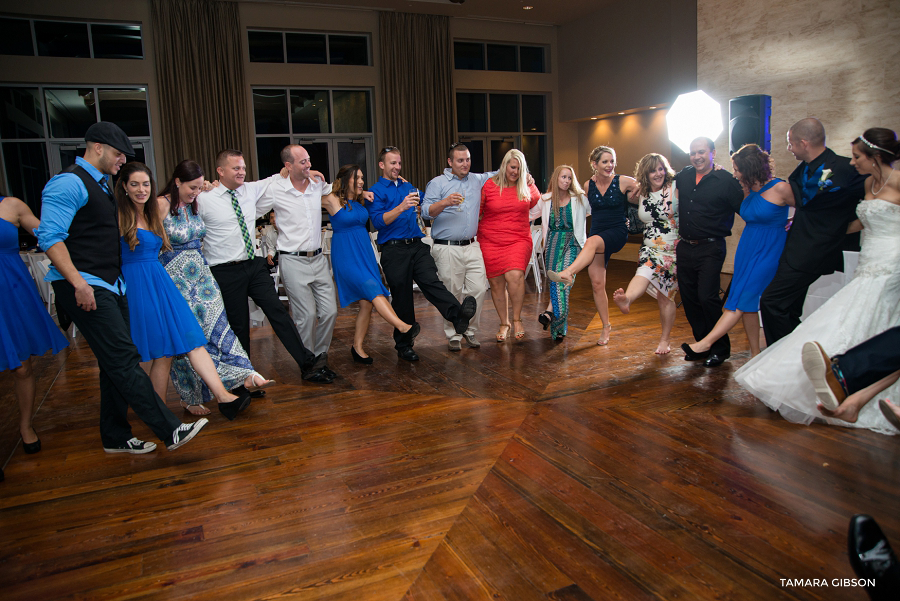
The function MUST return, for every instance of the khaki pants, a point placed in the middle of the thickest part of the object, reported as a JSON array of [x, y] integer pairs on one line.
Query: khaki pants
[[461, 269], [311, 292]]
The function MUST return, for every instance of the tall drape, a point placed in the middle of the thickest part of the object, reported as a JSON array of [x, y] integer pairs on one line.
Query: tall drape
[[200, 79], [417, 86]]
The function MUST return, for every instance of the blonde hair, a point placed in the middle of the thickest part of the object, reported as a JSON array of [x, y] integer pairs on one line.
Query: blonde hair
[[599, 152], [522, 192], [553, 187], [647, 164]]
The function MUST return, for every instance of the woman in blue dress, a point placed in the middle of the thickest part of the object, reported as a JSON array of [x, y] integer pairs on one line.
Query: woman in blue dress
[[353, 260], [162, 324], [188, 268], [25, 325], [765, 210], [608, 194]]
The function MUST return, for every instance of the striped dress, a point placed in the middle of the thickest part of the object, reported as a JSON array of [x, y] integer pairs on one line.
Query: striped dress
[[561, 250]]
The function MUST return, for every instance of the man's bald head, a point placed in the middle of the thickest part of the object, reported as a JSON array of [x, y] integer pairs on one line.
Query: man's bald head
[[806, 139]]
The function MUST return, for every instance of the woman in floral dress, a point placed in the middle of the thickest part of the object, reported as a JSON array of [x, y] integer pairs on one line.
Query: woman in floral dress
[[656, 259], [563, 211], [187, 267]]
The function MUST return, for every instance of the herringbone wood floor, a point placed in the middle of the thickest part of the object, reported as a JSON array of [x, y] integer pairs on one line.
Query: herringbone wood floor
[[522, 470]]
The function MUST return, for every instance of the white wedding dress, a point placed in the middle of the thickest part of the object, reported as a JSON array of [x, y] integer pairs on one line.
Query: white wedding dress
[[868, 305]]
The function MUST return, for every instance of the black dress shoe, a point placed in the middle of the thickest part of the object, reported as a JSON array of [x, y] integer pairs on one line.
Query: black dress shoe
[[545, 318], [872, 558], [690, 355], [258, 394], [715, 360], [357, 358], [329, 372], [408, 354], [230, 410], [320, 376], [466, 312], [32, 447]]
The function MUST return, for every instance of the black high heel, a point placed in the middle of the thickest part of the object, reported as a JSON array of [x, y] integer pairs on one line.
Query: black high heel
[[32, 447], [357, 358], [545, 318]]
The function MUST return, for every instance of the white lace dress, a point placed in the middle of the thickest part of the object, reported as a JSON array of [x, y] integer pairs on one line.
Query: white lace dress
[[866, 306]]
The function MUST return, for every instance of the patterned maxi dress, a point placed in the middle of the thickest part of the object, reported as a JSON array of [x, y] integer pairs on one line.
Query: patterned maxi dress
[[562, 248], [187, 267]]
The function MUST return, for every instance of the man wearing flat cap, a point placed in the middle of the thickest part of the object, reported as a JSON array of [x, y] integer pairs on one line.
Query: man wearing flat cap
[[80, 232]]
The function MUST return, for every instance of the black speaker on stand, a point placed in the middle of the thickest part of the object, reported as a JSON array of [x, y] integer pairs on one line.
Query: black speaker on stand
[[748, 121]]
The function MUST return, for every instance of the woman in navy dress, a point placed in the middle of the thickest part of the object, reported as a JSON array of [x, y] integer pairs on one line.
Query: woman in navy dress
[[162, 324], [356, 272], [765, 209], [25, 325], [607, 193]]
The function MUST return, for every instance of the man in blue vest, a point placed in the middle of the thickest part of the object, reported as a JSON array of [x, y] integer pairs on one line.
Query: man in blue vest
[[80, 232]]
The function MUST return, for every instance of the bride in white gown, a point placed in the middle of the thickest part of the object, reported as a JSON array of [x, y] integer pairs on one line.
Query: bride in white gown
[[866, 306]]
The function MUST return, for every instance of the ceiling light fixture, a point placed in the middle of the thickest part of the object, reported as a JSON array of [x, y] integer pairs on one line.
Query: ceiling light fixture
[[652, 107], [594, 118], [621, 112], [527, 7]]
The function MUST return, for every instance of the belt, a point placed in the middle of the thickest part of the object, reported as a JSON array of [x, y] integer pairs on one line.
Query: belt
[[231, 263], [699, 240], [301, 253], [401, 241], [454, 242]]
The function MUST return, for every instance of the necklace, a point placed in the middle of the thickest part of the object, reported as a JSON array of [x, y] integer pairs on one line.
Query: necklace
[[872, 187]]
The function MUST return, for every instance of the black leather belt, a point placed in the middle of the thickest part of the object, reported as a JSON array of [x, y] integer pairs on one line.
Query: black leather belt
[[400, 241], [699, 240], [301, 253], [454, 242]]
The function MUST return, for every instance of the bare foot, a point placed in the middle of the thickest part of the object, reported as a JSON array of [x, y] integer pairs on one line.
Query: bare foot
[[846, 412], [195, 409], [622, 301], [663, 348], [256, 381], [604, 338]]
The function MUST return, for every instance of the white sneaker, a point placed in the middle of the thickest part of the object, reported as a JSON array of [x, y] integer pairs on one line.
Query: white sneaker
[[133, 446], [185, 432], [471, 340]]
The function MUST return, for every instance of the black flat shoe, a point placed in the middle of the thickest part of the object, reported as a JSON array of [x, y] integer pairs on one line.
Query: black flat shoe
[[32, 447], [408, 354], [690, 355], [545, 318], [319, 376], [466, 312], [872, 558], [230, 410], [357, 358]]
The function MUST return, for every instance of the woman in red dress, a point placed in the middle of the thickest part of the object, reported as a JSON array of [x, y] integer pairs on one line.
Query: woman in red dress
[[505, 237]]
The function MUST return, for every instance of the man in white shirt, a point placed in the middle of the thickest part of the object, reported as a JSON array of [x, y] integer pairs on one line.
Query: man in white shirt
[[304, 269], [268, 238], [229, 211]]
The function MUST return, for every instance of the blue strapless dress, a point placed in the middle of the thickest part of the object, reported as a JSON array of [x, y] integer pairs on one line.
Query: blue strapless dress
[[758, 252], [26, 328], [355, 270], [162, 323]]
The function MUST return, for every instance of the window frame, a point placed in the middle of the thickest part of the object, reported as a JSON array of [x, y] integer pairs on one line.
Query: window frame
[[327, 34], [88, 23], [518, 51]]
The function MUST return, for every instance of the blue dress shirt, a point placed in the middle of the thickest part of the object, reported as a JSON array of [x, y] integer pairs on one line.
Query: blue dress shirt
[[451, 224], [62, 197], [388, 194]]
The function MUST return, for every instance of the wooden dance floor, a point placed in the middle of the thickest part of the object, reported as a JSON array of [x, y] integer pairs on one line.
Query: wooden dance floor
[[525, 470]]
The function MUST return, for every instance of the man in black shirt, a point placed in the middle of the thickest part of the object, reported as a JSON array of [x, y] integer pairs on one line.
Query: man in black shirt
[[707, 201]]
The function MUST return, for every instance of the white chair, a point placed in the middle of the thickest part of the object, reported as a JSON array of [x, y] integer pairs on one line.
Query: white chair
[[537, 258], [279, 285], [41, 268]]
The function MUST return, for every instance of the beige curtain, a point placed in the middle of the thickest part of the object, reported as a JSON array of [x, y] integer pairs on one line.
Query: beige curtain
[[200, 78], [416, 80]]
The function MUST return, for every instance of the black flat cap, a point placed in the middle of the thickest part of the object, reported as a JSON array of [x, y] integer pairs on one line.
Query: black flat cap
[[109, 133]]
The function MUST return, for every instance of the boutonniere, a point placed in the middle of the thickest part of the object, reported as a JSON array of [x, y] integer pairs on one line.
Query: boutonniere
[[824, 182]]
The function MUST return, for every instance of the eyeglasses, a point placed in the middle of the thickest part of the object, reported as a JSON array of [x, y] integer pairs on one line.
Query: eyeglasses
[[454, 145], [388, 149]]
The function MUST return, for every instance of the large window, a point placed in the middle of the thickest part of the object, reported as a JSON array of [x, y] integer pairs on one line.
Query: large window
[[78, 39], [307, 47], [481, 56], [334, 125], [492, 123], [42, 130]]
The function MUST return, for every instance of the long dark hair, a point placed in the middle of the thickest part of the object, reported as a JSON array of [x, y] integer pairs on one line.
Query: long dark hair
[[128, 213], [346, 182], [186, 171]]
